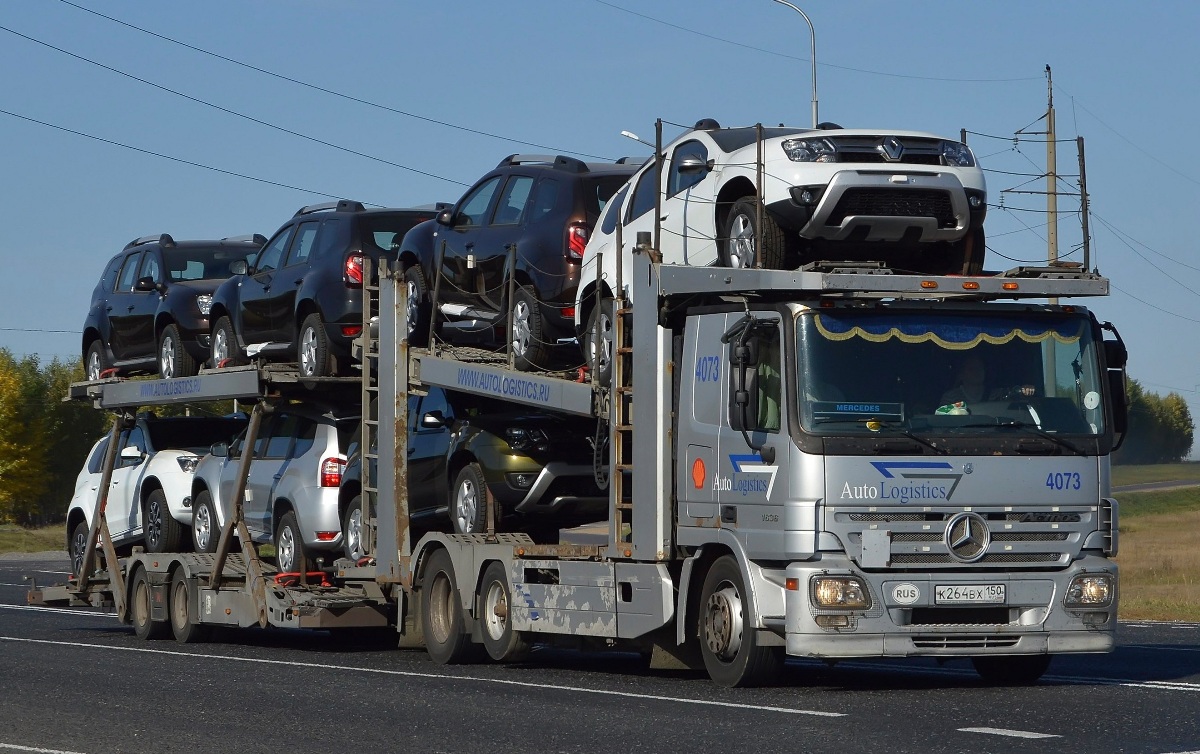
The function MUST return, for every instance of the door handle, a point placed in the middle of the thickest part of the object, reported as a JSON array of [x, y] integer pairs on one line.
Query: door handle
[[469, 246], [299, 281], [108, 309], [130, 307]]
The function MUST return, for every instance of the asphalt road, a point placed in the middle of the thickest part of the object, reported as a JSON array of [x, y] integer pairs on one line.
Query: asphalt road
[[77, 681]]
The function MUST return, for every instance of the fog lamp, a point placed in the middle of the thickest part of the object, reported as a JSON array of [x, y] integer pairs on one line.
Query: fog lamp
[[833, 621], [521, 480], [840, 592], [1095, 590]]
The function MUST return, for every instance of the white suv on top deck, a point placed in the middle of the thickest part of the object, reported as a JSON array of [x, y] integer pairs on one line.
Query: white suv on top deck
[[911, 199]]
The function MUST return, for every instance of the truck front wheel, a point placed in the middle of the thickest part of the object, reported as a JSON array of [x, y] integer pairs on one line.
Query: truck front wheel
[[728, 642], [1011, 670]]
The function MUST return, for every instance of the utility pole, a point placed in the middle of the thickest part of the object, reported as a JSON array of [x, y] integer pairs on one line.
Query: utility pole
[[1051, 174]]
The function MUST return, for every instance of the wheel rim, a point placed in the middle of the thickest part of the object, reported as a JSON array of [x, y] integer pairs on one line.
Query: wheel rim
[[600, 342], [141, 603], [78, 545], [521, 334], [285, 550], [166, 357], [179, 605], [93, 368], [741, 242], [220, 347], [441, 606], [308, 351], [466, 506], [154, 524], [411, 307], [203, 527], [495, 611], [354, 533], [723, 622]]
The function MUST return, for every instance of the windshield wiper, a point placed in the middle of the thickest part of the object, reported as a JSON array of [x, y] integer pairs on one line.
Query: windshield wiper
[[1029, 427]]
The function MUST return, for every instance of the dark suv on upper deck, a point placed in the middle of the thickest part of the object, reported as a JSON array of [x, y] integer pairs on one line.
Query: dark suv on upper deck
[[542, 206], [149, 312], [300, 298]]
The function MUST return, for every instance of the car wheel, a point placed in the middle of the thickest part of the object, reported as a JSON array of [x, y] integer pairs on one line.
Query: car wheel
[[79, 540], [740, 237], [223, 346], [290, 556], [206, 531], [352, 529], [93, 360], [139, 609], [1011, 670], [598, 341], [185, 630], [163, 533], [469, 503], [728, 642], [313, 349], [502, 643], [442, 623], [173, 358], [419, 307], [529, 348], [974, 248]]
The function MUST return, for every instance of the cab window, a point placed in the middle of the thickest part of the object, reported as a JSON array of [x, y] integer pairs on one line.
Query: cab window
[[474, 208], [512, 200]]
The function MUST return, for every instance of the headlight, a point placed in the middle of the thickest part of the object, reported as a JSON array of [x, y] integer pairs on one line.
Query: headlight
[[1094, 590], [809, 150], [840, 593], [520, 438], [188, 463], [204, 303], [957, 155]]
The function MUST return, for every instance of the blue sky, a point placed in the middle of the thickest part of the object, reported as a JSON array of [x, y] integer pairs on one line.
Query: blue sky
[[569, 75]]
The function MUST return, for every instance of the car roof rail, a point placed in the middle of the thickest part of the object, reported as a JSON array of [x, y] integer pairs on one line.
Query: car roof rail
[[435, 207], [558, 162], [163, 238], [342, 205], [257, 238]]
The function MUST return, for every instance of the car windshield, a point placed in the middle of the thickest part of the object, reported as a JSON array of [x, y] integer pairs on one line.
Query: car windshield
[[195, 434], [948, 373], [203, 263]]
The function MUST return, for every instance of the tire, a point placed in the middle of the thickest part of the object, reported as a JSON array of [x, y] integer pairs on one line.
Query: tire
[[468, 503], [974, 248], [93, 361], [290, 555], [223, 346], [1011, 670], [185, 630], [353, 530], [206, 529], [739, 236], [420, 308], [598, 341], [446, 638], [163, 533], [728, 643], [79, 538], [312, 349], [173, 358], [527, 339], [139, 609], [495, 595]]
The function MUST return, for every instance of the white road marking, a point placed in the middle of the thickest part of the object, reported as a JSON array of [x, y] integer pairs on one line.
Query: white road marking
[[15, 747], [68, 610], [437, 676], [1009, 733], [1157, 647], [24, 585]]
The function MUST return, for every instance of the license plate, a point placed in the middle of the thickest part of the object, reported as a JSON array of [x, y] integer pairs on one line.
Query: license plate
[[969, 594]]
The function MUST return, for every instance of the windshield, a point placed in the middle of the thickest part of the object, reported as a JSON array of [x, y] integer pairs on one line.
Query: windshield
[[195, 434], [948, 373]]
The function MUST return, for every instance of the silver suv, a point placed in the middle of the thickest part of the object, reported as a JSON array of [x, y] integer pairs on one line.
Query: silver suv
[[292, 489]]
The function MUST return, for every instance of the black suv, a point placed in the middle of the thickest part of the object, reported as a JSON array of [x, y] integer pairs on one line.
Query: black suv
[[150, 310], [300, 299], [543, 206]]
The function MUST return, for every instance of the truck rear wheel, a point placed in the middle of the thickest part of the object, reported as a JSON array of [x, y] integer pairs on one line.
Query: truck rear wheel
[[442, 623], [1011, 670], [139, 609], [185, 631], [728, 642], [502, 643]]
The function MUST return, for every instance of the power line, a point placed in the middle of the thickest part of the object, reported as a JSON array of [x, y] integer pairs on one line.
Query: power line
[[1116, 287], [332, 92]]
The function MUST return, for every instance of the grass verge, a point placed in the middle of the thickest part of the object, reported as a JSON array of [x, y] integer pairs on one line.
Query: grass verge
[[15, 538], [1157, 472]]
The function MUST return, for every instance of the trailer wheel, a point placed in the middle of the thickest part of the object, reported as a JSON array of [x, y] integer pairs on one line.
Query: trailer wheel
[[729, 645], [185, 631], [163, 533], [1011, 670], [502, 643], [139, 609], [289, 546], [446, 638], [206, 532]]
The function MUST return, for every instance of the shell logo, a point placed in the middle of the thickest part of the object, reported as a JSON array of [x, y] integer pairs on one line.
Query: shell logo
[[698, 473]]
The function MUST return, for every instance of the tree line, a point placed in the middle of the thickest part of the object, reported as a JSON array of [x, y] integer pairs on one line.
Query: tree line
[[44, 439]]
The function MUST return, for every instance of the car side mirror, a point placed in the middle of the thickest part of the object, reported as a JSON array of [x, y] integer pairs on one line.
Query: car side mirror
[[433, 420], [144, 284], [694, 165], [445, 217], [239, 267], [131, 453], [220, 449]]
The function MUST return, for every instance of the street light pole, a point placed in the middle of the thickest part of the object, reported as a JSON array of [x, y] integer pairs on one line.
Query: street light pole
[[813, 39]]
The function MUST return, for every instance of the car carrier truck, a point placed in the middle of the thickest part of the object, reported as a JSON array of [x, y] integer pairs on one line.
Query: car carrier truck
[[786, 477]]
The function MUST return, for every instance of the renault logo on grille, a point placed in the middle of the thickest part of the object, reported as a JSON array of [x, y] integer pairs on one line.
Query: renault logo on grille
[[892, 148], [967, 536]]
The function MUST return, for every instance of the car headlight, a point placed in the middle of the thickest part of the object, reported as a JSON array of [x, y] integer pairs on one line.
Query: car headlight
[[521, 438], [188, 463], [957, 155], [1090, 590], [840, 593], [204, 303], [809, 150]]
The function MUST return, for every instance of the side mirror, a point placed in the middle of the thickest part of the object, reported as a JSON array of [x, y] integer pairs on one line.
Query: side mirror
[[1120, 405], [144, 284], [445, 217], [433, 420], [220, 449], [131, 453], [239, 267], [1115, 354], [694, 165], [743, 387]]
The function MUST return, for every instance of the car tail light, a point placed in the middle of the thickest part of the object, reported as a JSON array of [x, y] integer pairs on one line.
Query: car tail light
[[331, 472], [354, 269], [577, 238], [351, 331]]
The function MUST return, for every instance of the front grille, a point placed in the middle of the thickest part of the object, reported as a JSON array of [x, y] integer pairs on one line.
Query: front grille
[[889, 202], [933, 558], [986, 641], [908, 158], [915, 150]]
